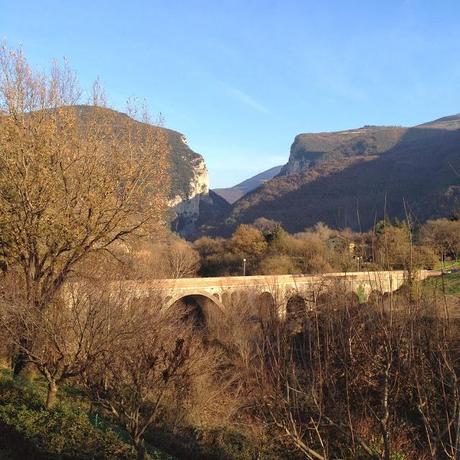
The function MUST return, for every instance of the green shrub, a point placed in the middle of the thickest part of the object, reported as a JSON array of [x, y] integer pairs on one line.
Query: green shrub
[[62, 433]]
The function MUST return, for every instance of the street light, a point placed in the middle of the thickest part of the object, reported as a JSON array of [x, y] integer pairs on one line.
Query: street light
[[244, 267]]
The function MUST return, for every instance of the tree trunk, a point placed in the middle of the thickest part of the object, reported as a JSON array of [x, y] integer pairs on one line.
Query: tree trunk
[[20, 362], [51, 396], [386, 415], [140, 447]]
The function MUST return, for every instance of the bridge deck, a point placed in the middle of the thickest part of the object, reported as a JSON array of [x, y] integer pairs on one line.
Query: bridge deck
[[277, 280]]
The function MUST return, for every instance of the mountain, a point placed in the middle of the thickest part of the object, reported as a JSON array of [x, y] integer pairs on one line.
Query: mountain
[[352, 178], [450, 122], [191, 202], [232, 194], [189, 183], [189, 193]]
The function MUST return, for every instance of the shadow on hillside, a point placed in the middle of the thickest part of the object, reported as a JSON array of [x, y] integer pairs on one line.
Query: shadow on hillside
[[417, 174]]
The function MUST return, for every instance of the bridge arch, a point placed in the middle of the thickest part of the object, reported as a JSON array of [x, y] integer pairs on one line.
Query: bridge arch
[[240, 297], [296, 306], [296, 310], [199, 305], [214, 298]]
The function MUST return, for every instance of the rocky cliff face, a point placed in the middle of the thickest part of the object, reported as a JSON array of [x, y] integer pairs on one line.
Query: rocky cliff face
[[187, 195], [191, 201]]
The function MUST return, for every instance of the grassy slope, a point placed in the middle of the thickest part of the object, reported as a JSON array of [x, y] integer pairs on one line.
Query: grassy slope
[[69, 431], [444, 291], [449, 284], [448, 265]]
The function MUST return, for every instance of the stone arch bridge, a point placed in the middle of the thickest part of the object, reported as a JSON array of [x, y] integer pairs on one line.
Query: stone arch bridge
[[279, 290]]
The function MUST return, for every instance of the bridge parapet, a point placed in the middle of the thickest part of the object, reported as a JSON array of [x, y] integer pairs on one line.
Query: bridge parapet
[[281, 287]]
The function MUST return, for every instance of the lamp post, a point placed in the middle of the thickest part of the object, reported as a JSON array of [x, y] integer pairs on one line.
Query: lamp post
[[244, 267]]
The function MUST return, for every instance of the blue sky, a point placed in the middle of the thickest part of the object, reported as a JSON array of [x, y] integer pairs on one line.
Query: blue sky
[[241, 78]]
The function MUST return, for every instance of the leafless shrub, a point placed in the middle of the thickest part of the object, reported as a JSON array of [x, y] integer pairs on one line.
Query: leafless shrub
[[361, 382], [64, 340], [153, 365]]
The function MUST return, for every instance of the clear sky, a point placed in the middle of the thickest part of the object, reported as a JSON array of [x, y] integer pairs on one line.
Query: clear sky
[[241, 78]]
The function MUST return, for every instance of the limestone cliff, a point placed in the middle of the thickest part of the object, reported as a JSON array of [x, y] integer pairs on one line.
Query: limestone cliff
[[191, 201], [190, 184]]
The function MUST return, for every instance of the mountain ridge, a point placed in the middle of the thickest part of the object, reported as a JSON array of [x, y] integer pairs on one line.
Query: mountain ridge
[[353, 178]]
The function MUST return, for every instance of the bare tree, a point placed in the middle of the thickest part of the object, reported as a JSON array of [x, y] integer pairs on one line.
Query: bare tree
[[344, 370], [183, 260], [73, 179], [444, 236], [158, 358], [436, 382], [65, 339]]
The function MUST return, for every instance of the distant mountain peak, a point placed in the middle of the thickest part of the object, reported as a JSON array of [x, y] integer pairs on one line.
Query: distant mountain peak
[[233, 194]]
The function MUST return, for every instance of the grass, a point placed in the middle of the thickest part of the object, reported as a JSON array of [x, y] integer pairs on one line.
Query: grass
[[448, 284], [448, 265]]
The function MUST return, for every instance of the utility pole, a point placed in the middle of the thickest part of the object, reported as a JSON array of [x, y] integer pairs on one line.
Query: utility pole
[[244, 267]]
